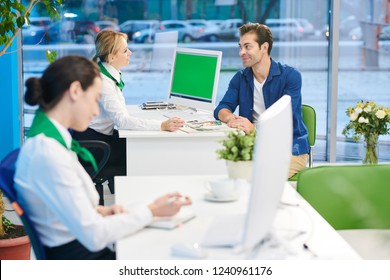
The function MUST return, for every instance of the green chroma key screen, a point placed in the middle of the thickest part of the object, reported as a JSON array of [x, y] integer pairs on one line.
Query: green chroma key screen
[[194, 76]]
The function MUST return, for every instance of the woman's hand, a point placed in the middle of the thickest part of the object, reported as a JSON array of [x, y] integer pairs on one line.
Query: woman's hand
[[110, 210], [172, 124], [169, 204]]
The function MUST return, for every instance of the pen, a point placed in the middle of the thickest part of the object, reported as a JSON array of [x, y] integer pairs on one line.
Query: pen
[[171, 200]]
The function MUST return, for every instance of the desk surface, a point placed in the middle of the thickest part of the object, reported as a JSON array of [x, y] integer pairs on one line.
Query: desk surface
[[171, 153], [294, 225], [136, 111]]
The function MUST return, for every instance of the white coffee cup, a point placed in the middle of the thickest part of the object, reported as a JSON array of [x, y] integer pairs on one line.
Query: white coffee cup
[[222, 188]]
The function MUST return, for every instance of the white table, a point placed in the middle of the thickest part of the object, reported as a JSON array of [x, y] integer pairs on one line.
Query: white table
[[171, 153], [294, 225]]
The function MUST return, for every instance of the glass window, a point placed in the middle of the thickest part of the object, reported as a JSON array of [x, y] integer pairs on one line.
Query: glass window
[[364, 63], [301, 34]]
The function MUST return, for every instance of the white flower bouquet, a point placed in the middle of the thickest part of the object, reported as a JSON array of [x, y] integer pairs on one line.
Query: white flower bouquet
[[369, 120]]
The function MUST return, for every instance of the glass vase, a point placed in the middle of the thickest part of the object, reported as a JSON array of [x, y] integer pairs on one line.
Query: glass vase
[[370, 149]]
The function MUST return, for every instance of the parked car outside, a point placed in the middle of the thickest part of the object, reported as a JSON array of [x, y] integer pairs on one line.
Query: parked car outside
[[74, 31], [34, 32], [186, 32], [308, 27], [356, 34], [107, 24], [217, 22], [228, 29], [208, 32], [131, 26], [290, 28], [349, 29], [384, 35]]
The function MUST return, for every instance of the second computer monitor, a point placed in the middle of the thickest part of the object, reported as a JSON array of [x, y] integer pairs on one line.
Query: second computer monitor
[[194, 78]]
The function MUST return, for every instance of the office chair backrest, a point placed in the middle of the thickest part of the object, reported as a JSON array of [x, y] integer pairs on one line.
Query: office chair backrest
[[349, 197], [7, 173], [101, 151], [310, 120]]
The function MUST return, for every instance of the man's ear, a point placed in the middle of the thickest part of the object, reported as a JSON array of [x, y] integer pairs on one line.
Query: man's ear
[[264, 47], [75, 90]]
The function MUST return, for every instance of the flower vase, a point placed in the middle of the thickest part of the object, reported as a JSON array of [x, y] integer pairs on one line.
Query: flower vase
[[370, 149]]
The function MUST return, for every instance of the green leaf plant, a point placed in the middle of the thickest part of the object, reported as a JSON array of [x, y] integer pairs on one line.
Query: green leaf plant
[[238, 146], [13, 15]]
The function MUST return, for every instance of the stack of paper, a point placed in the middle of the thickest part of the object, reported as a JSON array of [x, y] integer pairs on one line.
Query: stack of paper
[[204, 126], [185, 214]]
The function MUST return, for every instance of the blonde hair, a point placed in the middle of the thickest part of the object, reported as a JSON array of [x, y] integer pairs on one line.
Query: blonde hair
[[106, 43]]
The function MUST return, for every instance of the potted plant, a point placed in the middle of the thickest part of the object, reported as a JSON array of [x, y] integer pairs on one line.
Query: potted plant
[[238, 152], [14, 243], [13, 15], [369, 120]]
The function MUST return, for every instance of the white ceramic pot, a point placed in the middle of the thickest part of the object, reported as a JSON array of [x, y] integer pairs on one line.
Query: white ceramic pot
[[239, 169]]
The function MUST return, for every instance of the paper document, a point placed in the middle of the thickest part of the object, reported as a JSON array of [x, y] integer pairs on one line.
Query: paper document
[[204, 126], [185, 214]]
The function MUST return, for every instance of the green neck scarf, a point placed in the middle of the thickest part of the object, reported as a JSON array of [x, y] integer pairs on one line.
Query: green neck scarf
[[104, 71], [42, 124]]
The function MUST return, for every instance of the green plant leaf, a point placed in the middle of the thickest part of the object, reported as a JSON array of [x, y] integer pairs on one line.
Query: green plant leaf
[[51, 55], [238, 146]]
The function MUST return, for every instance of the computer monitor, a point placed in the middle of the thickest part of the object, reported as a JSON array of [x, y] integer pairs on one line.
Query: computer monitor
[[271, 161], [194, 78]]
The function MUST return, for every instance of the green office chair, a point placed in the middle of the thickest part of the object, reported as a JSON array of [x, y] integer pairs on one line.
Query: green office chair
[[349, 197], [309, 118]]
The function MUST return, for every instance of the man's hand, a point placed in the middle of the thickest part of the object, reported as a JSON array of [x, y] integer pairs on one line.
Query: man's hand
[[241, 123]]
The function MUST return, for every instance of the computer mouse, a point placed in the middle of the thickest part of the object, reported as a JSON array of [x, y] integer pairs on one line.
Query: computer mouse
[[187, 250]]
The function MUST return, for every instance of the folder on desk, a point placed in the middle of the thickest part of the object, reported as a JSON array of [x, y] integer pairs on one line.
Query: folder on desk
[[185, 214]]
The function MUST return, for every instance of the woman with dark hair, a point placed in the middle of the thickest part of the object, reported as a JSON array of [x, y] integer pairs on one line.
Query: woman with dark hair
[[54, 188]]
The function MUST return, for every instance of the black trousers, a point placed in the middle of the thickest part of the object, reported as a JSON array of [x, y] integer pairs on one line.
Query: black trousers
[[74, 250], [116, 164]]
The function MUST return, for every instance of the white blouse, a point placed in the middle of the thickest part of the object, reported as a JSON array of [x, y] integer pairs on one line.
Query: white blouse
[[61, 199], [113, 112]]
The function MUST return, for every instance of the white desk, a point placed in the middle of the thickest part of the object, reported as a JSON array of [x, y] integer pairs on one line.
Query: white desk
[[171, 153], [294, 225]]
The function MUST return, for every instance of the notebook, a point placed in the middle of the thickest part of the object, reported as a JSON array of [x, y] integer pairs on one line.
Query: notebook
[[185, 214], [271, 164]]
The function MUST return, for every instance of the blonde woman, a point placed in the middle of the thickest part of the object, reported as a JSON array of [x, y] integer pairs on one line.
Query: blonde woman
[[112, 54]]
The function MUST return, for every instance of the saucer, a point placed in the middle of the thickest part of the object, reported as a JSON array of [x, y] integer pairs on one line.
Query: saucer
[[210, 197]]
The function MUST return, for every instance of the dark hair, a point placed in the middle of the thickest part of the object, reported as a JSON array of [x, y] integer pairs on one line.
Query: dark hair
[[48, 90], [264, 34]]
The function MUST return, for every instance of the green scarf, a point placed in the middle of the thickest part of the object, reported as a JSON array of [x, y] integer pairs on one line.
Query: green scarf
[[42, 124], [104, 71]]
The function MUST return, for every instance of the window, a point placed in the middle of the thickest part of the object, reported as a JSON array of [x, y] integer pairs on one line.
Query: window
[[301, 32]]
